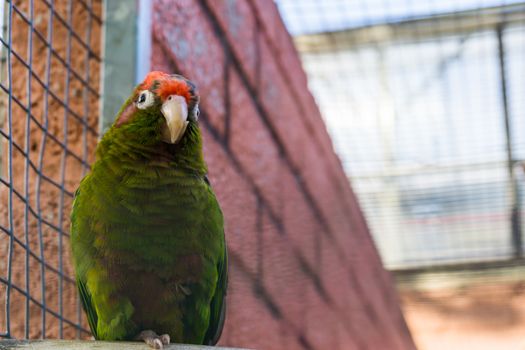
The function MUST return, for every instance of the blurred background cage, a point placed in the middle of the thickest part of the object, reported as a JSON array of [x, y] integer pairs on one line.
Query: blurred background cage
[[49, 81], [425, 102]]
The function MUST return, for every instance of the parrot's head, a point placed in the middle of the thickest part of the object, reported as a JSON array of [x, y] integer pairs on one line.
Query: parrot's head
[[161, 108]]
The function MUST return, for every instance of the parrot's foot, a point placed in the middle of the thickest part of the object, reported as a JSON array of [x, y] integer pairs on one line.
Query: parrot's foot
[[153, 340]]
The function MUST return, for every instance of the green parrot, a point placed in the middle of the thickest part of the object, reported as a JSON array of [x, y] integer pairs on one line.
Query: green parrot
[[147, 232]]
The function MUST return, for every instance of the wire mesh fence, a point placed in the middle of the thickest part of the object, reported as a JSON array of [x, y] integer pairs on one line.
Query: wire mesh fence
[[425, 102], [49, 82]]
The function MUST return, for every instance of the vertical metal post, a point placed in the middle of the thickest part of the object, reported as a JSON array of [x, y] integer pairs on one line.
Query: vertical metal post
[[9, 284], [27, 164], [514, 195], [119, 66], [144, 18], [3, 76]]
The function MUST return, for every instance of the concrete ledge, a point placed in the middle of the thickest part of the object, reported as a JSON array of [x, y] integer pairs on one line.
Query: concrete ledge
[[91, 344]]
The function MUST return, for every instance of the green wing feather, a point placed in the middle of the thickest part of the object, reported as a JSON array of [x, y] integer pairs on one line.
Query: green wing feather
[[218, 304], [85, 295], [91, 313]]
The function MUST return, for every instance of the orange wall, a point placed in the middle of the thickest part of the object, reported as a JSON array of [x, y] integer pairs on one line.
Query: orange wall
[[43, 149]]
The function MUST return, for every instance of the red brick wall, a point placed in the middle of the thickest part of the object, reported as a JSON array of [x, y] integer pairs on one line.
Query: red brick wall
[[304, 272]]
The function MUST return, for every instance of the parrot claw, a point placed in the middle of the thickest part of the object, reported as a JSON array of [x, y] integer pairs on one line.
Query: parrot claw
[[165, 339], [155, 343], [153, 340]]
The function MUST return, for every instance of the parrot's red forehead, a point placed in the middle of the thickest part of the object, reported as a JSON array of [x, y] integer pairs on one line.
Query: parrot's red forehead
[[167, 85], [173, 86], [151, 78]]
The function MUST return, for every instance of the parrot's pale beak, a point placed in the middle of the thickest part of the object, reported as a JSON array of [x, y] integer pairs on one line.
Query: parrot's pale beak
[[175, 111]]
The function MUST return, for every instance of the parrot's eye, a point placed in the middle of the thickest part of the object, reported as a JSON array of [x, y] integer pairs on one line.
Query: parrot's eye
[[196, 112], [146, 99]]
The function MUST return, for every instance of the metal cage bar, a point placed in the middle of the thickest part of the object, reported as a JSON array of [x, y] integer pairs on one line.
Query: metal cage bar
[[49, 92]]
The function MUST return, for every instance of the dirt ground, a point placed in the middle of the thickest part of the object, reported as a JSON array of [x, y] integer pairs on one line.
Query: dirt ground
[[481, 312]]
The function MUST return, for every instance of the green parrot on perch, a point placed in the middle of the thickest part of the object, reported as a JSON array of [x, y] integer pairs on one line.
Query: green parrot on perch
[[147, 232]]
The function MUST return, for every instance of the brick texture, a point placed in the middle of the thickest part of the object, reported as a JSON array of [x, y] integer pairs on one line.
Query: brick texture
[[304, 271]]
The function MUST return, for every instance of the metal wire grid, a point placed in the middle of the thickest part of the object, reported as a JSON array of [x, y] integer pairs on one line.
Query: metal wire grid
[[49, 84], [417, 97]]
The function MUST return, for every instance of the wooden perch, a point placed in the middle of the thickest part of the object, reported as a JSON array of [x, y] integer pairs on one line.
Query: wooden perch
[[12, 344]]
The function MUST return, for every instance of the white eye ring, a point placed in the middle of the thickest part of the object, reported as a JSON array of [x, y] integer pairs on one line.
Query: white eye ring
[[146, 99]]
